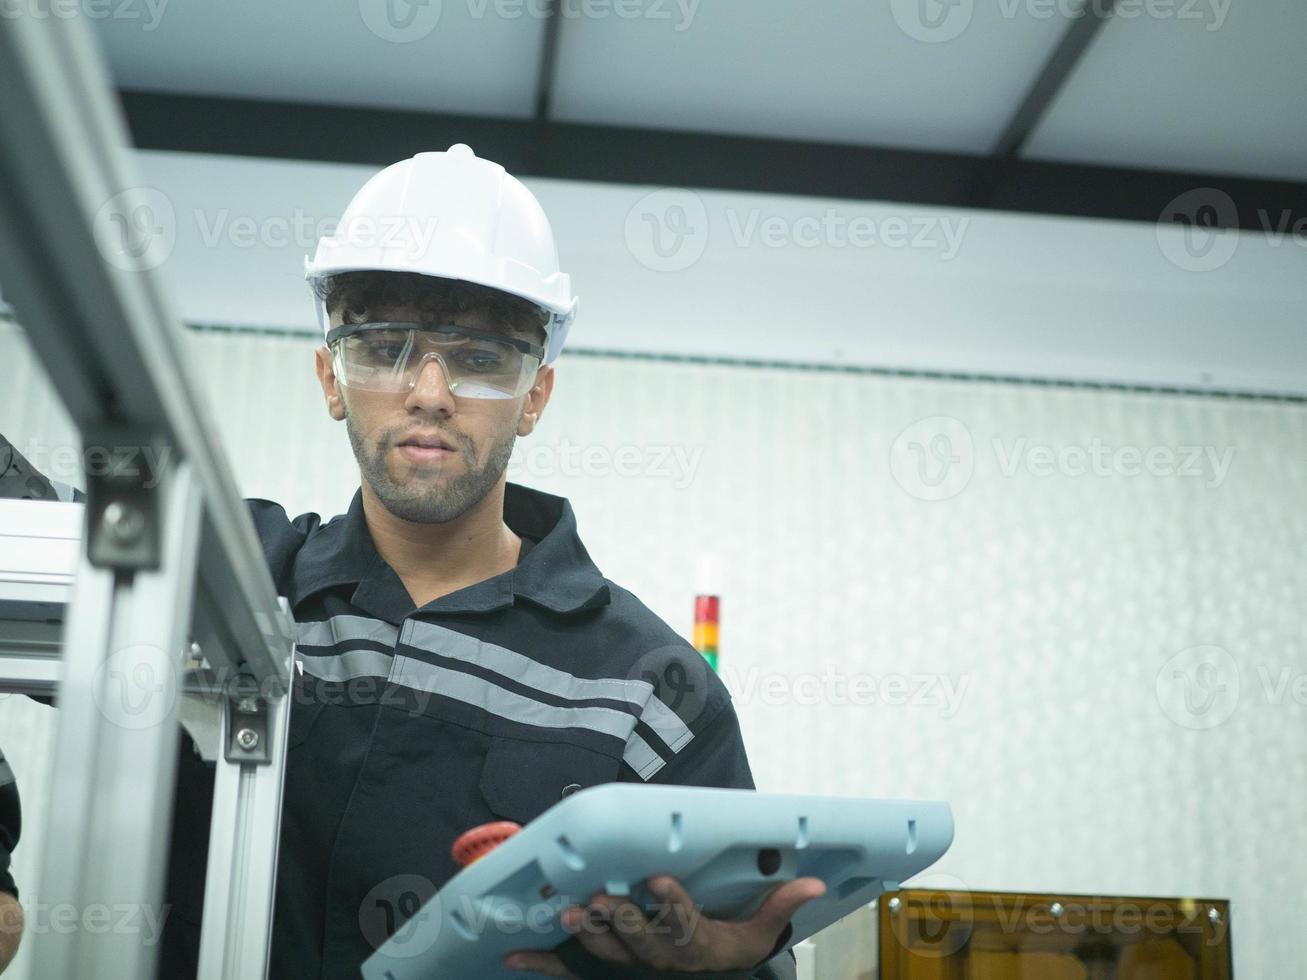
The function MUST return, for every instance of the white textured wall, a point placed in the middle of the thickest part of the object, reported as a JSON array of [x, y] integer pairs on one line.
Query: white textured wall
[[1043, 609]]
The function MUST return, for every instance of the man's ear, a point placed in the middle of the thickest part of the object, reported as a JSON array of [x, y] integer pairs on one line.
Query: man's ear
[[330, 385], [536, 400]]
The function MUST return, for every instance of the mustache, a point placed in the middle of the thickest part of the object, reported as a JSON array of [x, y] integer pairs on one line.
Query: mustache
[[392, 439]]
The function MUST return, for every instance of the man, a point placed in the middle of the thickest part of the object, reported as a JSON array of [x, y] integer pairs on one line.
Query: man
[[460, 659], [11, 821]]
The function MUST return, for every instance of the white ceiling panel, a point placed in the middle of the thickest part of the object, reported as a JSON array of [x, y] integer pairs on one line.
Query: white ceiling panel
[[451, 56], [927, 74], [982, 292], [1215, 86]]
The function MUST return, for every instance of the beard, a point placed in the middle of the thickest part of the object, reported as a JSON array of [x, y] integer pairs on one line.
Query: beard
[[429, 494]]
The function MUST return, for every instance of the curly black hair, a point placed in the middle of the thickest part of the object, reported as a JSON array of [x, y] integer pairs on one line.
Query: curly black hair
[[358, 296]]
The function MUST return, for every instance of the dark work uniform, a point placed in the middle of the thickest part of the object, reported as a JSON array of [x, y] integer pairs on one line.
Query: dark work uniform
[[410, 726], [11, 825], [18, 481]]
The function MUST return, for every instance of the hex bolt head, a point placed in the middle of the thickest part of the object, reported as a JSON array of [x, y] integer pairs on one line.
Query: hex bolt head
[[247, 738], [894, 904], [122, 522], [1055, 910], [1214, 915]]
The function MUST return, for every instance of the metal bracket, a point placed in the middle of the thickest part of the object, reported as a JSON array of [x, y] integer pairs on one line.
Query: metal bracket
[[247, 723], [122, 514]]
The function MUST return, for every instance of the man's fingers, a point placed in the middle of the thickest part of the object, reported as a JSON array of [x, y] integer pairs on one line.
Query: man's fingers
[[595, 933], [782, 903], [537, 962], [648, 943], [615, 929], [681, 914]]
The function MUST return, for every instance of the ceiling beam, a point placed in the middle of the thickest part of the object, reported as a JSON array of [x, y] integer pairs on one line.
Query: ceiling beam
[[548, 62], [538, 152], [1079, 34], [615, 154]]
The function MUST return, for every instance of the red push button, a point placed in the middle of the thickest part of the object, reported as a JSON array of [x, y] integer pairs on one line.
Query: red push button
[[480, 841]]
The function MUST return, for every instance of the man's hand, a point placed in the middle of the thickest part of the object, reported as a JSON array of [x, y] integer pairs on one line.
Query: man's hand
[[678, 939], [11, 928]]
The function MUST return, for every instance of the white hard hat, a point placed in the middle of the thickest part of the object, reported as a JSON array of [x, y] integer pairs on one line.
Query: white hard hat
[[455, 216]]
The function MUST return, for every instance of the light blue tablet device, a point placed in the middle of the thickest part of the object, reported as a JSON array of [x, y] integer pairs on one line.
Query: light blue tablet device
[[728, 847]]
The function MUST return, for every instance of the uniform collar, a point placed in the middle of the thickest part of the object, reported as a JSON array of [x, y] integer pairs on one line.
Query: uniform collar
[[557, 572]]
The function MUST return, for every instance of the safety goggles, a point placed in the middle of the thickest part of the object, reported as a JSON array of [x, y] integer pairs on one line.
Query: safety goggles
[[388, 357]]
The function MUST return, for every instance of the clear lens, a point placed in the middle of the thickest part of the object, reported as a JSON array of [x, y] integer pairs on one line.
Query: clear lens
[[475, 366]]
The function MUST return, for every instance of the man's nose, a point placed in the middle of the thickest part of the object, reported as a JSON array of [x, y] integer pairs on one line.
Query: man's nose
[[431, 387]]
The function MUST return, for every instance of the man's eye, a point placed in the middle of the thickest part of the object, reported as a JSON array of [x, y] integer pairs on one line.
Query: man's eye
[[480, 359]]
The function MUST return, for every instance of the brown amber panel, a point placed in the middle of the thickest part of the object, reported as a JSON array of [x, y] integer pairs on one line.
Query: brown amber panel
[[939, 935]]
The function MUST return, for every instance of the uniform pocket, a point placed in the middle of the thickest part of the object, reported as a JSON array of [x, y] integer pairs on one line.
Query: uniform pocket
[[522, 779]]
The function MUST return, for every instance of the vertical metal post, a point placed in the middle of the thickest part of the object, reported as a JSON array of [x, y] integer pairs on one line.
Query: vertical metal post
[[116, 754], [240, 883]]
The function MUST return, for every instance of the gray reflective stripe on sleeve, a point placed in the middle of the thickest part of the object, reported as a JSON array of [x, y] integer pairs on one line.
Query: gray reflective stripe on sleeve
[[524, 670], [496, 700], [343, 629], [6, 774], [666, 724], [348, 665], [644, 760]]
